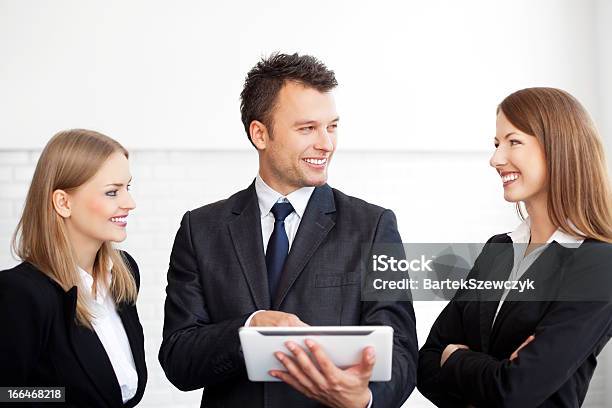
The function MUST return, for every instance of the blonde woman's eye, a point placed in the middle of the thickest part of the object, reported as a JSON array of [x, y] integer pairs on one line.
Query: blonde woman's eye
[[112, 193], [129, 186]]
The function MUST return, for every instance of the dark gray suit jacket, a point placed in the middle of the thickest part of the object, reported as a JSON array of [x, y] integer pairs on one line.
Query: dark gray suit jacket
[[217, 278]]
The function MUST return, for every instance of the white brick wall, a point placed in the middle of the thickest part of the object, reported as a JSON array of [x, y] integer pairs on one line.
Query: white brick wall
[[436, 196]]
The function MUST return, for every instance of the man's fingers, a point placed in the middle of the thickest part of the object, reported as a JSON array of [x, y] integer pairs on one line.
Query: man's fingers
[[306, 364], [329, 369], [272, 318], [368, 359], [300, 323], [291, 320], [294, 369], [364, 368], [292, 381]]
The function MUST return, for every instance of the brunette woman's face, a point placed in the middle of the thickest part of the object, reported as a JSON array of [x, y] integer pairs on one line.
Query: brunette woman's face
[[520, 161], [98, 209]]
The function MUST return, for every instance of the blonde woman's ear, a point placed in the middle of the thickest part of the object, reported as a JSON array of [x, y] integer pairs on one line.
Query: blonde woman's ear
[[61, 203]]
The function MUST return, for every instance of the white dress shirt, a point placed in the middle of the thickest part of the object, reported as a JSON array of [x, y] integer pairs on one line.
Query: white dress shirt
[[521, 237], [267, 197], [109, 328]]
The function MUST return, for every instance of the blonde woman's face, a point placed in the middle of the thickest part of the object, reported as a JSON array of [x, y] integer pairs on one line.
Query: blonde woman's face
[[520, 161], [99, 208]]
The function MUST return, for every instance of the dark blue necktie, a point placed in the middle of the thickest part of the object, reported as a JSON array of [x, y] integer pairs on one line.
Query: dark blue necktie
[[278, 246]]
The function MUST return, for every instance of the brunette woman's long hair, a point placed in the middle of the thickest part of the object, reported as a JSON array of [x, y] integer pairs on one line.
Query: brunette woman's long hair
[[579, 196]]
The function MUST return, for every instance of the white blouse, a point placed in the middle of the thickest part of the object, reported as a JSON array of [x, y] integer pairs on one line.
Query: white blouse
[[109, 328]]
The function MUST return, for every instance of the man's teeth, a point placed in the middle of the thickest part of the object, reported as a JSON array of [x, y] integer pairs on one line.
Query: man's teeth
[[316, 161], [119, 219], [510, 177]]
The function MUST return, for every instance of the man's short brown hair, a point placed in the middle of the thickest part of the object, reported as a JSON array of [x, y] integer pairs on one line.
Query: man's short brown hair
[[265, 80]]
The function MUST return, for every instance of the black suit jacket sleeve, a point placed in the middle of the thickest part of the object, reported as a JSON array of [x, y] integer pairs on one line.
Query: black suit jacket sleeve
[[195, 352], [399, 315], [569, 332], [24, 323], [447, 329]]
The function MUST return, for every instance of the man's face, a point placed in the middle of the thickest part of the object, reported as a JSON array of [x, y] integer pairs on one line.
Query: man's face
[[297, 150]]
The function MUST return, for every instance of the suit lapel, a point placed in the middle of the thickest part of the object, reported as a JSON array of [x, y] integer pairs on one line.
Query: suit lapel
[[245, 231], [545, 274], [500, 269], [313, 229], [91, 354]]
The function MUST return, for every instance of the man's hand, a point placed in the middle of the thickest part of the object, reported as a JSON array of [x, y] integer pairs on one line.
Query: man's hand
[[514, 355], [273, 318], [450, 349], [324, 381]]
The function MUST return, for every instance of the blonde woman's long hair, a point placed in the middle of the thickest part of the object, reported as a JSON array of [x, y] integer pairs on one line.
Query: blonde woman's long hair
[[68, 161], [579, 196]]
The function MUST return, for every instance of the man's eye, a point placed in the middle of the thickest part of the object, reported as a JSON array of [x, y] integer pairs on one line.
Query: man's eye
[[112, 193], [307, 128], [333, 126]]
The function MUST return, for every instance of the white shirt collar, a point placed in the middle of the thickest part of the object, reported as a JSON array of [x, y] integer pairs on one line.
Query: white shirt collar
[[522, 234], [88, 282], [267, 197]]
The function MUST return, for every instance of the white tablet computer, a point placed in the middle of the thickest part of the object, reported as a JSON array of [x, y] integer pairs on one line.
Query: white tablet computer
[[343, 344]]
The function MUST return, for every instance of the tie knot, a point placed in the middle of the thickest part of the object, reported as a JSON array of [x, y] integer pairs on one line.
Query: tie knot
[[281, 210]]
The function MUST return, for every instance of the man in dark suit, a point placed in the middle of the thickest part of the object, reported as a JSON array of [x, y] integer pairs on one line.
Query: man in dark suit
[[287, 251]]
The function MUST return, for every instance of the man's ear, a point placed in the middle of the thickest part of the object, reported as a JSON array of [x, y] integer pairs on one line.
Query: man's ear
[[259, 134], [61, 203]]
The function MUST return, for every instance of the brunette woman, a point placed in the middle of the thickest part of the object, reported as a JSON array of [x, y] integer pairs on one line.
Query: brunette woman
[[538, 348]]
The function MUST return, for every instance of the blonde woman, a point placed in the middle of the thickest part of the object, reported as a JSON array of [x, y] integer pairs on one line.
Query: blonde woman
[[67, 313], [536, 349]]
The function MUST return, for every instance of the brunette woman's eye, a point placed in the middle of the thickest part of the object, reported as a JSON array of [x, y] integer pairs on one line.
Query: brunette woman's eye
[[514, 142]]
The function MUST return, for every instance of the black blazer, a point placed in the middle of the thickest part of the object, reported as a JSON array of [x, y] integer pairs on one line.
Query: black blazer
[[217, 278], [571, 327], [41, 345]]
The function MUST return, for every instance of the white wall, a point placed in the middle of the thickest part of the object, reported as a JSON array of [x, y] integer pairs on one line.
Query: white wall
[[415, 75], [603, 28]]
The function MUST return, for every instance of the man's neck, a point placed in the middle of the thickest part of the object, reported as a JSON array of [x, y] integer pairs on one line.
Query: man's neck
[[280, 188]]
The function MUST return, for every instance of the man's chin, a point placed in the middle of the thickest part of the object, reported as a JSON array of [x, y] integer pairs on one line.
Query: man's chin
[[316, 182]]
